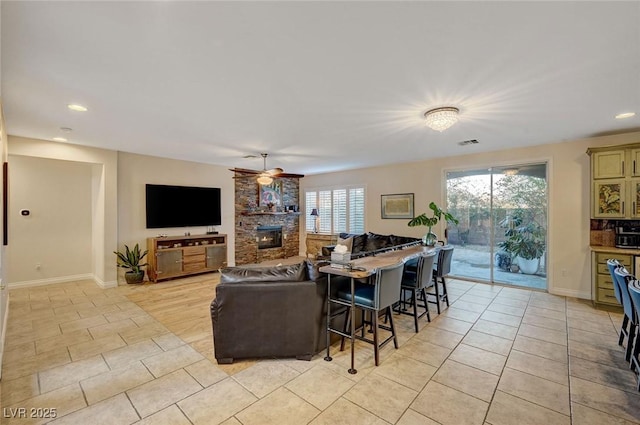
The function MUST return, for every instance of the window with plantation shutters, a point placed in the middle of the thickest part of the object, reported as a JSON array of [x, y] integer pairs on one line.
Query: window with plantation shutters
[[356, 210], [339, 209], [324, 211]]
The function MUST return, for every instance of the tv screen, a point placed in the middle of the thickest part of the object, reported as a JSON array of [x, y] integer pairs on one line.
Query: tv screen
[[182, 206]]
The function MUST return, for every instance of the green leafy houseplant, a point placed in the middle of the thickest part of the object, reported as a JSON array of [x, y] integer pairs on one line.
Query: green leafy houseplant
[[437, 215], [525, 241], [131, 259]]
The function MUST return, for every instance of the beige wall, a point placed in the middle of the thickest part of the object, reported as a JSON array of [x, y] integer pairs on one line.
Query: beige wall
[[56, 235], [116, 204], [569, 271], [4, 293], [134, 171], [103, 164]]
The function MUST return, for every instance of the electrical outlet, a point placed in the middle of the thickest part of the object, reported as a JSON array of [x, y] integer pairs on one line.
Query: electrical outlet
[[38, 266], [564, 272]]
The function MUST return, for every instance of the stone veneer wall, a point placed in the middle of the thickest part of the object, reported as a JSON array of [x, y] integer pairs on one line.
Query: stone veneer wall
[[247, 251]]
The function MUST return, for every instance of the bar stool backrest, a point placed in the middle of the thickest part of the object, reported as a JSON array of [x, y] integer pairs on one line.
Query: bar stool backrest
[[622, 277], [445, 254], [424, 273], [387, 285], [612, 265], [634, 292]]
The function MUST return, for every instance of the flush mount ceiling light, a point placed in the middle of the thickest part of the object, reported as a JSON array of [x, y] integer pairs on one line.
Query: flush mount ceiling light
[[77, 108], [440, 119], [625, 115], [59, 139]]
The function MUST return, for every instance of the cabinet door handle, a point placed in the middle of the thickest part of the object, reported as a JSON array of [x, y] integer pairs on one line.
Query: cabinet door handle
[[633, 205], [623, 168], [623, 207], [634, 167]]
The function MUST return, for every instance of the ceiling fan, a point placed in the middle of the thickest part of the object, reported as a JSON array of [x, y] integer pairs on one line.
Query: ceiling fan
[[266, 176]]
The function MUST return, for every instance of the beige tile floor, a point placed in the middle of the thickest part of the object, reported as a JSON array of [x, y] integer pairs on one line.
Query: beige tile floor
[[144, 354]]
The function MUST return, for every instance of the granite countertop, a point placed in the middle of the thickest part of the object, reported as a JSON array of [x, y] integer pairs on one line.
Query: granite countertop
[[613, 249]]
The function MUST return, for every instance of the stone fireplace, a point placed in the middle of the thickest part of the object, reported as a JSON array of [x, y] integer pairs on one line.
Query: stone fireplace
[[254, 223], [269, 237]]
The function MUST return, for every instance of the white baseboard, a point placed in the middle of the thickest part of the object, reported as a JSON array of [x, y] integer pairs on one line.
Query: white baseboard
[[104, 285], [62, 279]]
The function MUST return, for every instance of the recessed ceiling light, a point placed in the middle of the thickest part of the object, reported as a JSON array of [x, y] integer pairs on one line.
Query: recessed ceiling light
[[66, 129], [76, 107], [59, 139], [625, 115]]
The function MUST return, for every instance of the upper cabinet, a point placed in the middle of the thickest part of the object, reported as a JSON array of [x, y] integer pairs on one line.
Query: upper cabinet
[[615, 173], [609, 198], [608, 165], [635, 162]]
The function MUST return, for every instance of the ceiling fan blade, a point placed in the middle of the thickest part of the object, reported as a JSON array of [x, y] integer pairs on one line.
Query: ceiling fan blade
[[297, 176], [273, 171], [246, 171]]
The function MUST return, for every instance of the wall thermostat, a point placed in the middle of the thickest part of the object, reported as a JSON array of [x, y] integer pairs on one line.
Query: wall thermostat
[[25, 212]]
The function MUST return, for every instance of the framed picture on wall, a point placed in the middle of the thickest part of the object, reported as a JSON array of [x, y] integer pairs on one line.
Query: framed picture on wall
[[271, 193], [399, 205]]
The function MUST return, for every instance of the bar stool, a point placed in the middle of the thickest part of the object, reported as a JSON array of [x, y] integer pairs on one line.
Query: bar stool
[[380, 294], [622, 278], [612, 265], [440, 270], [634, 292], [417, 281]]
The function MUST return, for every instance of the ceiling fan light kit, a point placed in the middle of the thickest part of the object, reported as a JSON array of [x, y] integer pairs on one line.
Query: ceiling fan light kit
[[264, 176], [264, 179], [440, 119]]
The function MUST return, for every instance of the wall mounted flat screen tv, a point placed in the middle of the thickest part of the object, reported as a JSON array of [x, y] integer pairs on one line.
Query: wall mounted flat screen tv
[[182, 206]]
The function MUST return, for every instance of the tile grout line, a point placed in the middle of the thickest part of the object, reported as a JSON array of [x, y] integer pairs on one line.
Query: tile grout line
[[495, 390], [446, 358]]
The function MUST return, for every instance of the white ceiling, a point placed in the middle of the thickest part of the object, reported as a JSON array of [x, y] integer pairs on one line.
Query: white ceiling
[[320, 86]]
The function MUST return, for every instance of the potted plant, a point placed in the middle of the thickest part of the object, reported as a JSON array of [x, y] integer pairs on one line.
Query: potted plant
[[526, 242], [438, 214], [130, 259]]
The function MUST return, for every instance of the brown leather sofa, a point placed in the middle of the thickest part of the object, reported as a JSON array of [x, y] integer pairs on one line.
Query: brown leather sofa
[[271, 312]]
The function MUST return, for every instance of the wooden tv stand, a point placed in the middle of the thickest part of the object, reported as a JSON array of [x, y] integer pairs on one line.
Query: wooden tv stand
[[177, 256]]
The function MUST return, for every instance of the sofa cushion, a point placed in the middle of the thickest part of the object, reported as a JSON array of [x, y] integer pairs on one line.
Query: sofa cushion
[[348, 242], [313, 267], [359, 241], [376, 241], [289, 273]]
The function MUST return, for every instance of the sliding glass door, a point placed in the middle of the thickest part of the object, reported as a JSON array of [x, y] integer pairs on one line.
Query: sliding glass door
[[501, 236]]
